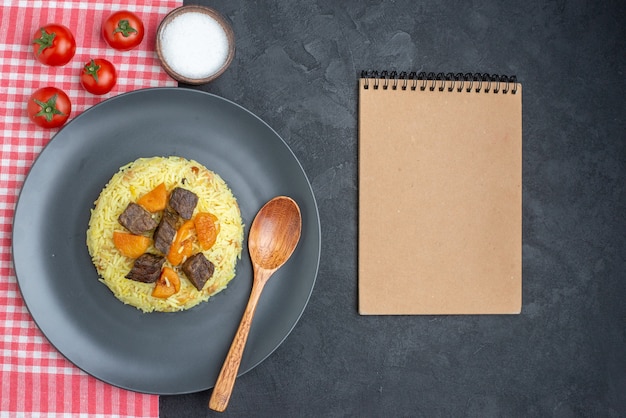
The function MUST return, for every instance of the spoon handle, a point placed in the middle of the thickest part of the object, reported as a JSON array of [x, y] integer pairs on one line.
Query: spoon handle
[[226, 379]]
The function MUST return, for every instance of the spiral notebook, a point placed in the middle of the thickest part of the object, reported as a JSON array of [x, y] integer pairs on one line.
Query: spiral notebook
[[440, 194]]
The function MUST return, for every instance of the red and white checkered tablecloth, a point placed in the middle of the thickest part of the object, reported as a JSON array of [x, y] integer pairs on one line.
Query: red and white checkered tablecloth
[[36, 380]]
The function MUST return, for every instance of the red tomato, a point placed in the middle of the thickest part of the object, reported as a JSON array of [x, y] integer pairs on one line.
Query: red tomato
[[123, 30], [98, 76], [49, 107], [54, 44]]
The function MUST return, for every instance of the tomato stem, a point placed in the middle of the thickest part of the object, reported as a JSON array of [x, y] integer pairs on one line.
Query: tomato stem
[[92, 69], [49, 108], [124, 27], [45, 40]]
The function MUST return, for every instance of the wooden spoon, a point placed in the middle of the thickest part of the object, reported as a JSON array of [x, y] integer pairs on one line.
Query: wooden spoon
[[274, 235]]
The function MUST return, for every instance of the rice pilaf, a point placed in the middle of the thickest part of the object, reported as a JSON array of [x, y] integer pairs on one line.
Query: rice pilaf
[[135, 180]]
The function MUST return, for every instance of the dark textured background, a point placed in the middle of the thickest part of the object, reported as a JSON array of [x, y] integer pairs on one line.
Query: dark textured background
[[565, 355]]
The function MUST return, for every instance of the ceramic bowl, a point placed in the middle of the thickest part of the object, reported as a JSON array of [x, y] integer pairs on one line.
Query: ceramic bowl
[[163, 55]]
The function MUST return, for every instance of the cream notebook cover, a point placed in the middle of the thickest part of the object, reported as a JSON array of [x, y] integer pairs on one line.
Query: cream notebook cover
[[440, 194]]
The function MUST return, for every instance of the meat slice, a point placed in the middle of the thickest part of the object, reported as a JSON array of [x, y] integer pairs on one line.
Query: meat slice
[[183, 201], [166, 231], [136, 219], [147, 268], [198, 270]]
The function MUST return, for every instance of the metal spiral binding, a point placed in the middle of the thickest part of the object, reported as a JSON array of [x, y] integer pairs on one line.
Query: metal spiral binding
[[460, 82]]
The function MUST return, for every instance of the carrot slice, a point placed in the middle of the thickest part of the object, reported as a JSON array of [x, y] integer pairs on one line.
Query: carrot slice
[[155, 200], [182, 247], [207, 228], [130, 245], [167, 284]]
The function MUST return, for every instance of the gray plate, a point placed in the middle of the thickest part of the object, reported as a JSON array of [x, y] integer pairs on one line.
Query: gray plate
[[161, 353]]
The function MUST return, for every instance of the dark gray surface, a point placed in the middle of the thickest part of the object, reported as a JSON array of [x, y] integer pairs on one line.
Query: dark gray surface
[[565, 355]]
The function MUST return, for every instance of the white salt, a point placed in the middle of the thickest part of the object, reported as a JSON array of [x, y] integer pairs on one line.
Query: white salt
[[194, 45]]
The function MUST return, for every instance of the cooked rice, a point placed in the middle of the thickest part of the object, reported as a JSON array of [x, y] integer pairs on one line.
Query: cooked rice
[[130, 183]]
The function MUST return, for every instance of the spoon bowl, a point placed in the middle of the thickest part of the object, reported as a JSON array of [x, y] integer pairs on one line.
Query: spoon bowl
[[275, 233], [273, 237]]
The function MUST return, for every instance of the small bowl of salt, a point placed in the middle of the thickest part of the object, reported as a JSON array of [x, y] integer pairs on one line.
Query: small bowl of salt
[[195, 44]]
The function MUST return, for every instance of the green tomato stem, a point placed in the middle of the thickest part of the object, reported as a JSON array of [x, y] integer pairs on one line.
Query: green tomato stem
[[124, 27], [92, 69], [45, 40], [49, 108]]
